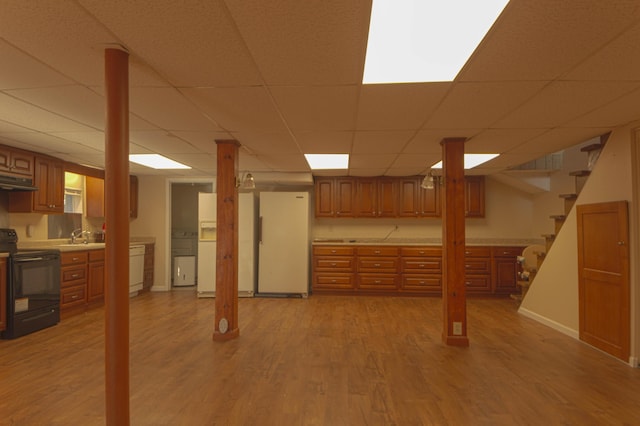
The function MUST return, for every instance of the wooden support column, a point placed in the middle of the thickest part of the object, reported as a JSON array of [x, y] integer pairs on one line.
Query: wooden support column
[[453, 244], [226, 315], [117, 241]]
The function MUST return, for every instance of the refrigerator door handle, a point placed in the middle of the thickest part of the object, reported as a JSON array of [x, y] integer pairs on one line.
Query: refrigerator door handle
[[260, 229]]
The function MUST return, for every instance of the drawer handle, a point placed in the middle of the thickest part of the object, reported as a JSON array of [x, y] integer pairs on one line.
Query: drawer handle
[[505, 252], [334, 264], [333, 251], [333, 281], [467, 252], [421, 252], [75, 275], [377, 265], [377, 281], [422, 265], [467, 266], [376, 251], [76, 258], [75, 296], [467, 283]]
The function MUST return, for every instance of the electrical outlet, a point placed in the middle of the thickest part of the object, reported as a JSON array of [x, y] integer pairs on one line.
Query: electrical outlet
[[457, 328]]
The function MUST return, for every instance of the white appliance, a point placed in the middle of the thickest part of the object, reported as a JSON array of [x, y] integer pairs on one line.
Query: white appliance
[[136, 268], [207, 236], [283, 266], [184, 271], [207, 245]]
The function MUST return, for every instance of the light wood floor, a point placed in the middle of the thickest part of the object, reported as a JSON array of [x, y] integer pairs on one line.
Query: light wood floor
[[324, 360]]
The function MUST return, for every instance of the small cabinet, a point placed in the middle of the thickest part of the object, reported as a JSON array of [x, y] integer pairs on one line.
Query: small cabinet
[[16, 162], [333, 269], [94, 189], [421, 270], [376, 197], [3, 294], [73, 280], [96, 278], [334, 197], [505, 269], [378, 268], [477, 269], [415, 201], [49, 198], [474, 196]]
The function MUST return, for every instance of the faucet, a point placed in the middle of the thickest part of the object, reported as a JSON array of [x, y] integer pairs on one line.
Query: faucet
[[78, 233]]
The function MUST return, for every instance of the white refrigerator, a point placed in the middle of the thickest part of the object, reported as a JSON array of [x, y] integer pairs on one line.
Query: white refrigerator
[[207, 218], [283, 243]]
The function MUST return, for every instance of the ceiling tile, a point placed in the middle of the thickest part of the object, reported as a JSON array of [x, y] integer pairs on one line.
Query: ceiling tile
[[267, 143], [23, 114], [361, 161], [324, 142], [381, 142], [428, 141], [20, 70]]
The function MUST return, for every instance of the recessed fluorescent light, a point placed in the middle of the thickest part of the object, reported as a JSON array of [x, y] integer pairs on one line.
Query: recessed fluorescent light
[[327, 161], [471, 160], [423, 41], [156, 161]]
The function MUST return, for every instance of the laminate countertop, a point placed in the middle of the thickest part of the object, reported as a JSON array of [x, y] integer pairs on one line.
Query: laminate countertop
[[425, 241]]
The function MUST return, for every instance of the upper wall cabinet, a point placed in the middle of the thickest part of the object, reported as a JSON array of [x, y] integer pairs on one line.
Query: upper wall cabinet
[[94, 188], [16, 162], [390, 197], [48, 177]]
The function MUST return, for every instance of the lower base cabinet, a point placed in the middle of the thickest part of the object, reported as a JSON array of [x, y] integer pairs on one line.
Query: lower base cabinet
[[410, 270]]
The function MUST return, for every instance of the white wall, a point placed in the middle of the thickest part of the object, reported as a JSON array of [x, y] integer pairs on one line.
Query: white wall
[[553, 296]]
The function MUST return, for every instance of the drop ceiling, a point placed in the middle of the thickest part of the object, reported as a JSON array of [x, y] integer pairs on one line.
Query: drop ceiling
[[283, 78]]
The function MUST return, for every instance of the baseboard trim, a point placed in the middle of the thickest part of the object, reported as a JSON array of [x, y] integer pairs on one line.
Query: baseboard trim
[[550, 323]]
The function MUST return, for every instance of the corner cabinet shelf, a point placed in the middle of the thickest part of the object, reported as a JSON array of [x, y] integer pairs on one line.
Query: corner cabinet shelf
[[387, 197]]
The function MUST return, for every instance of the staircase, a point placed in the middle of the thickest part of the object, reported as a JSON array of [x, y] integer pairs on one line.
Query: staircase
[[580, 176]]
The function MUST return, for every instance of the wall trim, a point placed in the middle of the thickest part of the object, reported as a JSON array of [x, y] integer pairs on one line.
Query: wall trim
[[550, 323]]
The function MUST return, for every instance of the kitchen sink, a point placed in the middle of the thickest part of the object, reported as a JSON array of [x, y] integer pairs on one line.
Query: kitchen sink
[[80, 245]]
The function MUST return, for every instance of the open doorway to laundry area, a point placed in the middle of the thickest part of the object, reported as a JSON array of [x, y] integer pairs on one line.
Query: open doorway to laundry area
[[184, 233]]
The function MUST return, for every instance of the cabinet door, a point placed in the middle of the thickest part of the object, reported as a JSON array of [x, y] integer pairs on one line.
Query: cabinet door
[[366, 204], [16, 162], [94, 194], [506, 275], [324, 197], [3, 294], [387, 197], [430, 200], [95, 284], [49, 178], [409, 197], [344, 197], [474, 196], [133, 197]]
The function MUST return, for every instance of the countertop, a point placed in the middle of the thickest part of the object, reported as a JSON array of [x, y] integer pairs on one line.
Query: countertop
[[64, 246], [426, 241]]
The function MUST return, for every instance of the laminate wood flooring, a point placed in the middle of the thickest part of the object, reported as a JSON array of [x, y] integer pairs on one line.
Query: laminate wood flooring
[[324, 360]]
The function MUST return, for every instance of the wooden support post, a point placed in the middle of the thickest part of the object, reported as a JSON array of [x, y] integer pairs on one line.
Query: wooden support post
[[117, 242], [226, 315], [453, 244]]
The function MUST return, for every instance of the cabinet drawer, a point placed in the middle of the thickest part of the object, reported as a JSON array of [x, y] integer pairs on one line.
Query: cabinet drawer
[[477, 266], [333, 250], [96, 255], [421, 251], [70, 258], [418, 264], [477, 251], [421, 283], [507, 251], [478, 284], [72, 296], [334, 282], [72, 275], [378, 264], [386, 282], [377, 251], [342, 264]]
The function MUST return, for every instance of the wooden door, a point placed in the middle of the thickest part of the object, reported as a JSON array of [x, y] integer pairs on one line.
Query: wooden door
[[603, 271]]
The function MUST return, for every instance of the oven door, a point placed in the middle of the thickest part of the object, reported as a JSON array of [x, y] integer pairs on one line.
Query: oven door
[[34, 292]]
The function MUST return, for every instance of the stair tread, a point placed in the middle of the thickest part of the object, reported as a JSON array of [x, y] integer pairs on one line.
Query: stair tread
[[580, 173], [592, 147], [568, 196]]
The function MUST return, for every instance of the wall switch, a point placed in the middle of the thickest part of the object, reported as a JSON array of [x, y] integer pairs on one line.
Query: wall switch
[[457, 329]]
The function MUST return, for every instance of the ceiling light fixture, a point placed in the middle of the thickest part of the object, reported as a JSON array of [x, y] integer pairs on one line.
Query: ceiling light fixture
[[156, 161], [246, 182], [428, 181], [327, 161], [420, 41], [471, 160]]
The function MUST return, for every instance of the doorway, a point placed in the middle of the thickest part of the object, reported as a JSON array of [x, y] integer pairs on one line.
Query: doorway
[[603, 277], [184, 233]]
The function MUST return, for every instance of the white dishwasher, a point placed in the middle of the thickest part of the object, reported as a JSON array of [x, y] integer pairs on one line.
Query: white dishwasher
[[136, 269]]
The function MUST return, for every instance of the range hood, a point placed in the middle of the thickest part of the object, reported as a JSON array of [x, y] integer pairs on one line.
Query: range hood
[[12, 183]]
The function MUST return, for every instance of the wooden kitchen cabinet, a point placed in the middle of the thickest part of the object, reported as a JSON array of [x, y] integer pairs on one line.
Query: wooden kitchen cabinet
[[149, 254], [49, 198], [3, 294], [421, 269], [474, 196], [415, 201], [94, 190], [96, 276], [505, 269], [377, 268], [334, 197], [73, 281], [16, 162], [333, 269], [477, 268], [376, 197]]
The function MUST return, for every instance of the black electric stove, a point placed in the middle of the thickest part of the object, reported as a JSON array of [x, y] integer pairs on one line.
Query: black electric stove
[[33, 287]]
